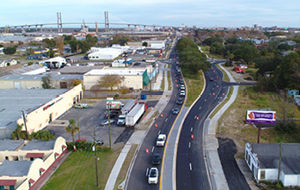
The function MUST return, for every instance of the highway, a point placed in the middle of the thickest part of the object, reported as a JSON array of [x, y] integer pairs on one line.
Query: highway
[[137, 177], [191, 171]]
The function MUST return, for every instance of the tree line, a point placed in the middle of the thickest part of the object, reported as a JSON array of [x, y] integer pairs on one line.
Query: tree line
[[190, 57]]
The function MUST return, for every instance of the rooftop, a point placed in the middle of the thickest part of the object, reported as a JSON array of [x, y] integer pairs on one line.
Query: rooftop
[[268, 156], [118, 71], [39, 145], [15, 168], [12, 101], [39, 77], [10, 145]]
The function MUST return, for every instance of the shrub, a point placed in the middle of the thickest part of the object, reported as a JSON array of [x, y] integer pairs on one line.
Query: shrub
[[30, 63], [288, 127]]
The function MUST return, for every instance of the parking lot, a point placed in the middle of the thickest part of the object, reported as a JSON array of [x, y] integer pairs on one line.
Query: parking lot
[[88, 119]]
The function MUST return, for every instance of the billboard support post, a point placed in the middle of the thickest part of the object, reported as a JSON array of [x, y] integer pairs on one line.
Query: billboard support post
[[258, 134]]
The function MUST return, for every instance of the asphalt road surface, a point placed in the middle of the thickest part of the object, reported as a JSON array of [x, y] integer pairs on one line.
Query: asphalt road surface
[[234, 176], [137, 177], [191, 171]]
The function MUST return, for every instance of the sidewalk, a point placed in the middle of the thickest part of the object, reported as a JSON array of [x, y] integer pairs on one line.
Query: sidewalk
[[138, 136]]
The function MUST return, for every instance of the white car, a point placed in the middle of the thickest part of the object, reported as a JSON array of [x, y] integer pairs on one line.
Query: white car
[[182, 93], [161, 139], [153, 175], [182, 87]]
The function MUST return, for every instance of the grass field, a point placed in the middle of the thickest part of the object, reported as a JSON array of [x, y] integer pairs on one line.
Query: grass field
[[78, 170], [226, 78], [169, 81], [195, 84], [205, 50], [162, 86]]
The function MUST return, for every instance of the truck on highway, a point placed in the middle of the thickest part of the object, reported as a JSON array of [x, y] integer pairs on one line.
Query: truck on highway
[[135, 114], [114, 105], [128, 106]]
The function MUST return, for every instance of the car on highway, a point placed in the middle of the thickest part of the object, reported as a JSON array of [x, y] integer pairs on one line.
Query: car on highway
[[105, 122], [79, 106], [211, 79], [175, 111], [153, 176], [137, 63], [182, 87], [161, 139], [156, 159], [182, 93], [179, 101], [112, 114]]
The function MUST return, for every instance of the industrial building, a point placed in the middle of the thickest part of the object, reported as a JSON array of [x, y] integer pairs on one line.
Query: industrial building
[[131, 78], [40, 107], [24, 81], [107, 53], [24, 163]]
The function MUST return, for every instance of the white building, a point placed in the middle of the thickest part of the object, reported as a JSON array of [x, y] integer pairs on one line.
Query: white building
[[131, 78], [107, 53], [263, 161], [55, 62], [6, 63]]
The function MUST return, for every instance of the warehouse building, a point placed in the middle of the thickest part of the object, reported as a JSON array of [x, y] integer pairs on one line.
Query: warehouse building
[[40, 107], [22, 81], [130, 78]]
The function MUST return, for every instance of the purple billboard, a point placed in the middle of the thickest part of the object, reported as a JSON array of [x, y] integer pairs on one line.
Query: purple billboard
[[253, 116]]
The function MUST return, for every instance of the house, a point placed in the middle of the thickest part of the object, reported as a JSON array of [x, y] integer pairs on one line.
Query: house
[[263, 161], [23, 162], [6, 63]]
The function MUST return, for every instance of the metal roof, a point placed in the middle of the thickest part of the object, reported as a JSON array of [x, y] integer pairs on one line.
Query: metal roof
[[15, 168], [10, 145], [39, 145], [12, 101], [39, 77], [268, 156], [125, 71]]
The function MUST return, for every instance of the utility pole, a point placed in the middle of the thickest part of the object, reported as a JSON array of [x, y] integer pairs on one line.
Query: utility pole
[[125, 56], [78, 125], [258, 134], [24, 120], [109, 125], [95, 145], [279, 166]]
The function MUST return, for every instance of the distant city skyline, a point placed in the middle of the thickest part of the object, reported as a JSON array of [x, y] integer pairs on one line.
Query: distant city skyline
[[199, 13]]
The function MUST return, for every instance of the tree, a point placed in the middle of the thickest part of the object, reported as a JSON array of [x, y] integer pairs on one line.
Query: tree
[[91, 40], [9, 50], [60, 44], [110, 81], [50, 43], [246, 52], [77, 82], [18, 133], [51, 53], [44, 135], [284, 47], [72, 128], [73, 45], [216, 48], [84, 46], [231, 40], [46, 82], [211, 40], [145, 44]]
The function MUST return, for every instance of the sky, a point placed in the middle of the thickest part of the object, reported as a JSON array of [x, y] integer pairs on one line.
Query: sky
[[199, 13]]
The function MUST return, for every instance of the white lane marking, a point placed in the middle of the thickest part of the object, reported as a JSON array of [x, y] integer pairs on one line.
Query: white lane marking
[[166, 119], [147, 171], [159, 131], [200, 108], [191, 129], [152, 148], [189, 144], [191, 167], [205, 100]]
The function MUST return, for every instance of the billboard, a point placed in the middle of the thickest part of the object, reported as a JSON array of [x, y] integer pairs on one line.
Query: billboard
[[257, 116]]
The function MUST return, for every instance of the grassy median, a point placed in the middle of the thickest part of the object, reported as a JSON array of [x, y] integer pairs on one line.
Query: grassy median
[[195, 85]]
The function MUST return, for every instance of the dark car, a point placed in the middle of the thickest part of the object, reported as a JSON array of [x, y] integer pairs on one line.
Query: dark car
[[175, 111], [179, 101], [156, 159], [137, 63], [112, 114], [99, 142]]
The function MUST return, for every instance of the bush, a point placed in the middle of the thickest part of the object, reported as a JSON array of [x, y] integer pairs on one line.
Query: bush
[[289, 127], [30, 63]]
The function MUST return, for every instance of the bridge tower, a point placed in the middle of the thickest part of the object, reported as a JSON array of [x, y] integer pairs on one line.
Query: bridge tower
[[59, 22], [106, 21]]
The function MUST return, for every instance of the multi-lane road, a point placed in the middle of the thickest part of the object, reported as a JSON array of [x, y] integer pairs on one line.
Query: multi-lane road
[[137, 177]]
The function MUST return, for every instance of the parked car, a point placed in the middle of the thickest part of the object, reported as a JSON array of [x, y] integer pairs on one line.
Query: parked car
[[99, 142], [153, 176], [137, 63], [105, 122], [112, 114], [81, 106], [179, 101], [161, 139], [175, 111], [156, 159]]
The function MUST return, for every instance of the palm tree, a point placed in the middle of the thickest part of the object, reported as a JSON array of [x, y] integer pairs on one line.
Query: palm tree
[[72, 128], [44, 135], [18, 133]]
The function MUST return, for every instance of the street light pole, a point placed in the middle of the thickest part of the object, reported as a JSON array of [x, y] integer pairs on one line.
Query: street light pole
[[109, 125], [95, 145], [78, 124]]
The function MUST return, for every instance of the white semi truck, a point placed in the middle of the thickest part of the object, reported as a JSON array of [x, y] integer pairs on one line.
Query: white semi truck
[[128, 106], [135, 114]]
